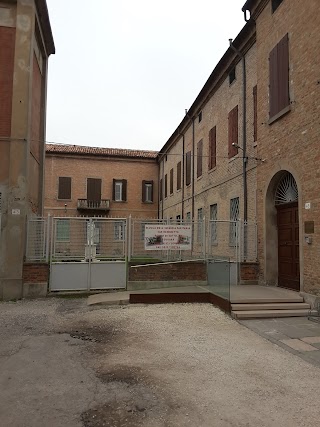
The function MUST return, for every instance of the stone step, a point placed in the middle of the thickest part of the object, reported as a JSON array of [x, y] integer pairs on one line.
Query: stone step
[[267, 300], [255, 314], [271, 306]]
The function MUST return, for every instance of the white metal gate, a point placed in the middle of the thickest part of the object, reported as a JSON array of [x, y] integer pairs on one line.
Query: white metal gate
[[88, 254]]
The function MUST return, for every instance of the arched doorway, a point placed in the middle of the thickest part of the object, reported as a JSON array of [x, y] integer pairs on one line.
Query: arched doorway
[[282, 232]]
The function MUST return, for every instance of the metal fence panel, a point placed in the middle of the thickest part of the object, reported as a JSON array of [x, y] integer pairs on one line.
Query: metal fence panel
[[36, 246], [88, 238]]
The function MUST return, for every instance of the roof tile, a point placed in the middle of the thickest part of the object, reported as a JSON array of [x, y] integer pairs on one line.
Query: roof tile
[[99, 151]]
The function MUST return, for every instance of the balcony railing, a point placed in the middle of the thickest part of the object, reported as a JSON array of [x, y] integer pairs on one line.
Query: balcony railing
[[95, 205]]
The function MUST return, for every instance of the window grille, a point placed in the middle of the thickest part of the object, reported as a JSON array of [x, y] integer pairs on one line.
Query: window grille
[[287, 191], [213, 218], [234, 217]]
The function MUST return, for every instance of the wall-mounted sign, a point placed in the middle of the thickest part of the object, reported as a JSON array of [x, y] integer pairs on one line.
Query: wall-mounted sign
[[307, 205], [15, 211], [309, 227], [164, 237]]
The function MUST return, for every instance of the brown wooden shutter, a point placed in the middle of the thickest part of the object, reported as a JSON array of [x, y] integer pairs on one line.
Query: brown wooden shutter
[[165, 185], [255, 114], [171, 181], [124, 190], [199, 158], [283, 72], [212, 148], [151, 182], [64, 188], [144, 191], [161, 190], [188, 168], [114, 189], [179, 176], [279, 77], [273, 82], [94, 189], [233, 131]]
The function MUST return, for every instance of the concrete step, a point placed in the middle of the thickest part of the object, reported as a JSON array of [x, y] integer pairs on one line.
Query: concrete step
[[267, 300], [271, 306], [255, 314]]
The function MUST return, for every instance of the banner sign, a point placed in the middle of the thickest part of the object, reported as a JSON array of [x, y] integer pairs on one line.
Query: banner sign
[[164, 237]]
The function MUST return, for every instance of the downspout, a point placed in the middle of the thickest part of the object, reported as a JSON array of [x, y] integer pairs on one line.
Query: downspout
[[159, 190], [244, 139], [162, 192], [182, 182], [192, 186]]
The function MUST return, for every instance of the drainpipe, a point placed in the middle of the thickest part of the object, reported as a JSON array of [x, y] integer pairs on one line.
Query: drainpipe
[[182, 182], [244, 139], [192, 182], [162, 208]]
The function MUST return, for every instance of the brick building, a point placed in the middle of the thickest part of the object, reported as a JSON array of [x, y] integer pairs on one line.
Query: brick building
[[105, 182], [212, 152], [248, 147], [26, 42], [288, 204]]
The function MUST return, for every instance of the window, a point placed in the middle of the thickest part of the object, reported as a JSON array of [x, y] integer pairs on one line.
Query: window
[[147, 191], [279, 101], [275, 4], [94, 189], [200, 223], [188, 168], [165, 186], [119, 190], [233, 132], [179, 176], [63, 230], [188, 217], [200, 117], [199, 158], [64, 188], [171, 181], [178, 218], [161, 191], [232, 75], [213, 224], [212, 147], [119, 230], [234, 216], [255, 114]]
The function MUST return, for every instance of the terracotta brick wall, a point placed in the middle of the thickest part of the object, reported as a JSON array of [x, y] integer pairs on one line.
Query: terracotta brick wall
[[79, 168], [35, 273], [292, 142], [249, 271], [169, 272], [7, 43]]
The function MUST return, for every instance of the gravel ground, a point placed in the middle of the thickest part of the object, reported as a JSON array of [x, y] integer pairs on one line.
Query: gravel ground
[[64, 364]]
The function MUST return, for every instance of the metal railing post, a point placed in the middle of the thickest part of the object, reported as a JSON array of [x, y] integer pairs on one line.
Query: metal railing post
[[48, 238], [129, 240]]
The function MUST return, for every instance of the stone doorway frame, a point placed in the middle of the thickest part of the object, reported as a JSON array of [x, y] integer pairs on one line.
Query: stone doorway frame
[[271, 229]]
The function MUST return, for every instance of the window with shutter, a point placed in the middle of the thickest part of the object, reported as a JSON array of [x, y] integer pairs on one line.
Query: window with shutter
[[160, 191], [64, 188], [93, 189], [188, 168], [212, 148], [165, 186], [147, 191], [233, 132], [119, 192], [199, 158], [171, 181], [179, 176], [279, 101], [255, 114], [234, 217]]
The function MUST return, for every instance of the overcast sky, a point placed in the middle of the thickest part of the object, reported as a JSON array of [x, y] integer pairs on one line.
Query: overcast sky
[[125, 70]]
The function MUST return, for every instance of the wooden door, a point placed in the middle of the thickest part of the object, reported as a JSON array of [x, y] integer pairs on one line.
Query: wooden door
[[288, 246]]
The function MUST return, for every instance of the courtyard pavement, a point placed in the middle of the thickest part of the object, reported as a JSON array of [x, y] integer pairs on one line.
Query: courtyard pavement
[[298, 335]]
